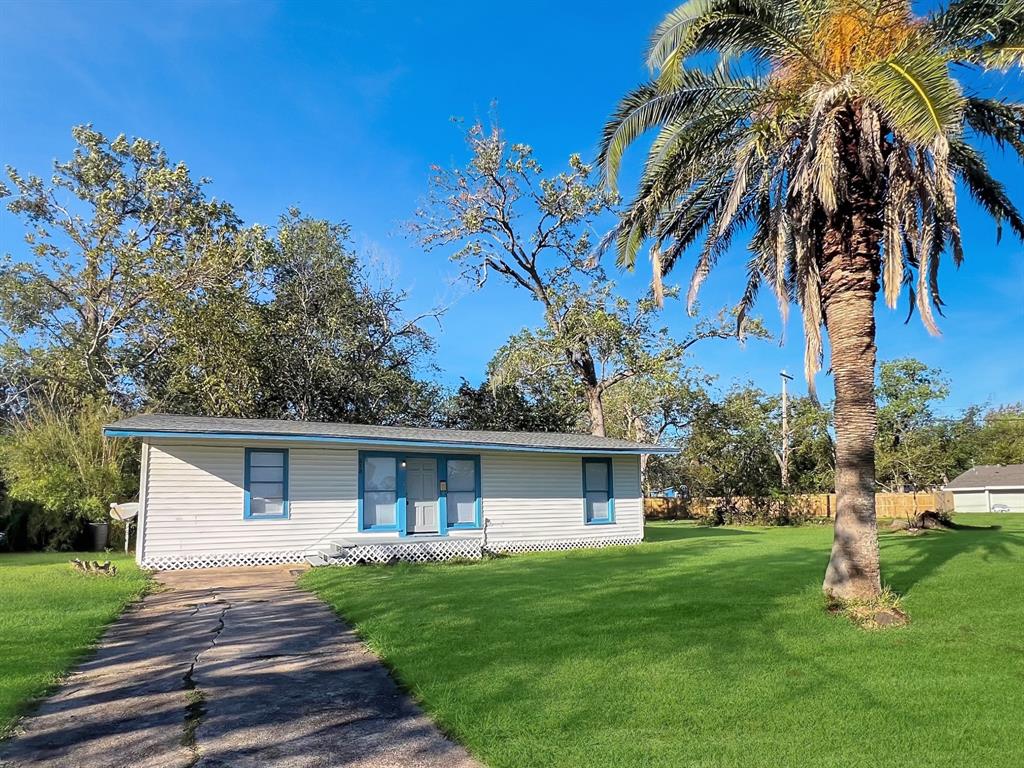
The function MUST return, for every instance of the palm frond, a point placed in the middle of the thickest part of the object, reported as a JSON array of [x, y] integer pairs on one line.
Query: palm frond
[[761, 29], [915, 93], [647, 106], [989, 193], [985, 32], [1000, 121], [740, 177], [691, 218], [674, 34], [1002, 56], [808, 281], [965, 22], [714, 247], [898, 199]]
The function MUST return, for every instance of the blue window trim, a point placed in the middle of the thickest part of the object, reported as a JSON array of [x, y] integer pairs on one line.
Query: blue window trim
[[285, 508], [476, 524], [399, 524], [611, 491], [401, 494]]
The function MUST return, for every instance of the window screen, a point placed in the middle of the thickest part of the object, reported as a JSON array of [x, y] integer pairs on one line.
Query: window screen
[[266, 483], [380, 492], [597, 490], [462, 492]]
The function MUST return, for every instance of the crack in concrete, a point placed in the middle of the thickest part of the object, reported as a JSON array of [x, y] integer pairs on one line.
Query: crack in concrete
[[195, 709]]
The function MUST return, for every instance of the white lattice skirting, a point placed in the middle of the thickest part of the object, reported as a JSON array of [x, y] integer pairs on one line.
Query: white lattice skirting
[[220, 560], [411, 552], [469, 549], [517, 547], [414, 552]]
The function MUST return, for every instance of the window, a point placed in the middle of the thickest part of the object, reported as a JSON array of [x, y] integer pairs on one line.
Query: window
[[463, 495], [266, 484], [598, 499], [380, 493]]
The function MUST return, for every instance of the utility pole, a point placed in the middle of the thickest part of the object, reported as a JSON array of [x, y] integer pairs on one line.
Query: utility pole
[[784, 463]]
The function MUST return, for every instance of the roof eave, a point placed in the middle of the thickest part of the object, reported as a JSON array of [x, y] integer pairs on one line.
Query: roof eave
[[953, 488], [113, 431]]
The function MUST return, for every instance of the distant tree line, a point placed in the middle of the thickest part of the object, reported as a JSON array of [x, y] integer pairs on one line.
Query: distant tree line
[[731, 446]]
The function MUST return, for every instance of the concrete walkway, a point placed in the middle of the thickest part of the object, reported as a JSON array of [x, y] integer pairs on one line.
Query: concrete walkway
[[230, 668]]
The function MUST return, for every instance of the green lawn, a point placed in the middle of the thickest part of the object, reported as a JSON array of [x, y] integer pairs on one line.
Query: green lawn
[[49, 617], [709, 647]]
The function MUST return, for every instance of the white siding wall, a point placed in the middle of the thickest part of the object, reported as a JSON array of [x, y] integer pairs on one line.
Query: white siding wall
[[534, 497], [193, 499]]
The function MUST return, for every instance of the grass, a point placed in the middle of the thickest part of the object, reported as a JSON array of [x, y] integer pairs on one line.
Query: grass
[[709, 647], [50, 615]]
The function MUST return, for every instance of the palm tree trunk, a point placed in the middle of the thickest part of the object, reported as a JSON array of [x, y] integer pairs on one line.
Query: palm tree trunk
[[849, 264], [853, 570]]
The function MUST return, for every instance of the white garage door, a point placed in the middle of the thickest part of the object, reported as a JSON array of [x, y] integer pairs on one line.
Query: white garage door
[[1013, 499], [969, 501]]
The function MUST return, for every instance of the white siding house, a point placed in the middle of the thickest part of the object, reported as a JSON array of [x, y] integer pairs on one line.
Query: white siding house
[[217, 492], [989, 488]]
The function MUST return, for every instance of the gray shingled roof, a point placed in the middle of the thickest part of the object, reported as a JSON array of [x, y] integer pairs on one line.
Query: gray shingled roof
[[164, 423], [989, 476]]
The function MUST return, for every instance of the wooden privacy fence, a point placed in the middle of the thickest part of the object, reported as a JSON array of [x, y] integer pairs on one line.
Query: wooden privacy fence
[[887, 505]]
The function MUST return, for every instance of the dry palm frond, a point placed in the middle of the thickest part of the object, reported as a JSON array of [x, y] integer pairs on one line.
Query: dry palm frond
[[657, 284]]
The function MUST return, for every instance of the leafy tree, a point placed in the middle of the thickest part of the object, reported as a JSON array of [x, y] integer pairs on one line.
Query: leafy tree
[[118, 238], [61, 462], [506, 408], [729, 449], [660, 406], [305, 335], [1000, 439], [732, 446], [911, 448], [217, 355], [839, 154], [504, 216], [812, 457]]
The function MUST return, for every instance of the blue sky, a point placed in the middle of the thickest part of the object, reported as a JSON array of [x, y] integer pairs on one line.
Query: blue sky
[[340, 108]]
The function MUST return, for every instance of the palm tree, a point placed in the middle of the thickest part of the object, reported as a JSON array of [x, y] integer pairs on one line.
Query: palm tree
[[832, 132]]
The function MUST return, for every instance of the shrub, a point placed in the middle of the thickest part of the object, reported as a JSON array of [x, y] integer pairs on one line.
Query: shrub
[[776, 509], [59, 463]]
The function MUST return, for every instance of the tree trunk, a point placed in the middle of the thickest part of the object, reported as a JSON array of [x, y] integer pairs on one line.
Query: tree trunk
[[595, 407], [581, 361], [849, 265]]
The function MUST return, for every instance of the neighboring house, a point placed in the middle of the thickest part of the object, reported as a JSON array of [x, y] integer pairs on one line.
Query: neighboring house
[[216, 492], [980, 489]]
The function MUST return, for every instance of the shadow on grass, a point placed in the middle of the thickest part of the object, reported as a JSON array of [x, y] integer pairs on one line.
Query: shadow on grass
[[961, 527], [926, 553], [682, 530], [697, 619]]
